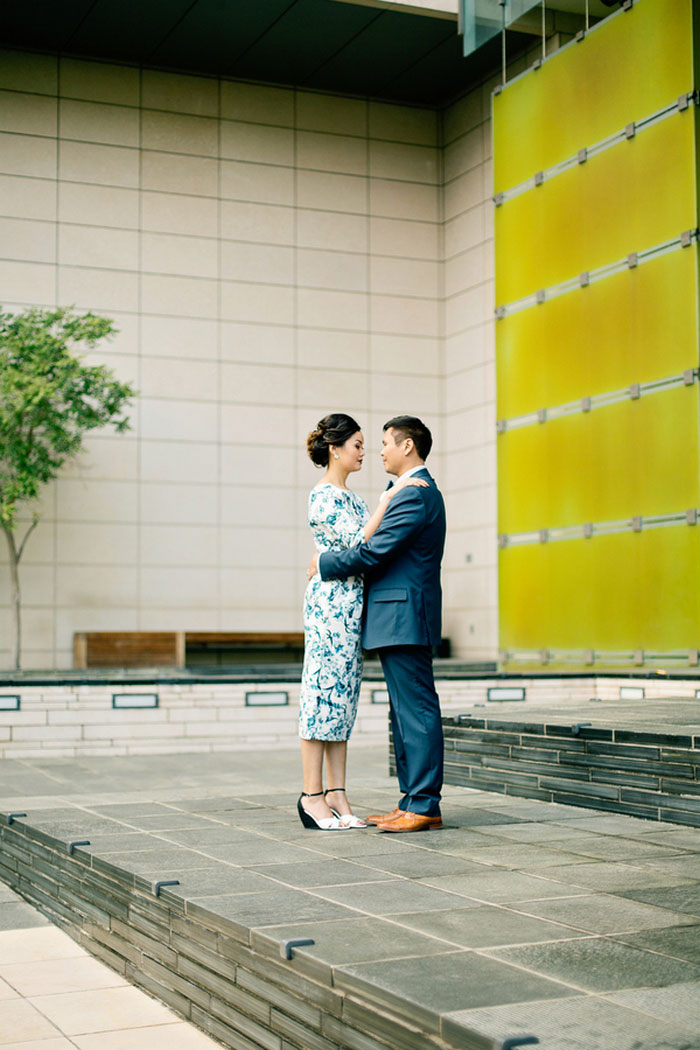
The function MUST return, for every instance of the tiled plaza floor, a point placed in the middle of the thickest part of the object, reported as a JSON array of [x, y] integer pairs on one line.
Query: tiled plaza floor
[[518, 917], [54, 996]]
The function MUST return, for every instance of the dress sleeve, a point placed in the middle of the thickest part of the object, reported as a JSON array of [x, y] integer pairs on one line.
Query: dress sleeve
[[332, 516]]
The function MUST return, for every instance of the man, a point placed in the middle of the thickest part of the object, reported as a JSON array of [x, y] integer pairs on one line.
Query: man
[[403, 606]]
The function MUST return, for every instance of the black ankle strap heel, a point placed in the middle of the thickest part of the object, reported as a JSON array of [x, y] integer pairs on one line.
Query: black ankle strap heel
[[309, 821]]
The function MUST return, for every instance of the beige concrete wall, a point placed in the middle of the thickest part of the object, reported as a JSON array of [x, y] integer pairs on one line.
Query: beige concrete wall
[[268, 255]]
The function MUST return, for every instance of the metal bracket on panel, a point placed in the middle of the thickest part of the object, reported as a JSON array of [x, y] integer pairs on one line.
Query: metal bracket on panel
[[540, 295], [686, 238], [693, 658], [500, 313], [544, 535], [588, 530], [157, 886], [498, 89], [545, 656], [632, 260], [77, 842], [585, 404], [691, 516], [503, 656], [635, 391], [581, 35], [539, 178], [627, 5], [537, 63], [639, 657], [500, 426], [296, 942], [689, 377], [498, 199], [589, 657], [636, 524], [578, 726], [12, 817], [630, 130], [541, 415], [584, 279], [684, 101], [582, 155], [502, 540]]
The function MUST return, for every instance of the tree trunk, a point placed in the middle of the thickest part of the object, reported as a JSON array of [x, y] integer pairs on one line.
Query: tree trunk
[[15, 597]]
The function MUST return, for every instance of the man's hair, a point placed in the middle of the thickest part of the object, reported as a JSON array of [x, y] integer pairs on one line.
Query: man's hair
[[414, 428]]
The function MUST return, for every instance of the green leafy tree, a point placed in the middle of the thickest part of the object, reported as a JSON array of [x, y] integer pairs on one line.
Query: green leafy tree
[[49, 400]]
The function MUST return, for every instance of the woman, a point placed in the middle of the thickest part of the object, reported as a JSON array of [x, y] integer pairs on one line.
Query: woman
[[332, 671]]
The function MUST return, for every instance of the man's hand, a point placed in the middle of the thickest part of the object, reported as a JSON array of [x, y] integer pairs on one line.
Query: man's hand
[[313, 567]]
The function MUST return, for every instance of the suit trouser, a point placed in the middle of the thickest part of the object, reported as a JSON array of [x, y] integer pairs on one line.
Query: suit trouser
[[416, 725]]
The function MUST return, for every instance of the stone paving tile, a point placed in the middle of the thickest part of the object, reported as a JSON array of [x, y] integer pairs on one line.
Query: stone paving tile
[[7, 991], [37, 945], [360, 939], [17, 914], [20, 1021], [55, 976], [521, 856], [103, 1010], [452, 981], [678, 898], [574, 1024], [600, 913], [675, 1002], [418, 863], [503, 887], [680, 942], [598, 965], [390, 897], [486, 926], [179, 1036], [321, 872], [606, 847], [684, 866], [213, 881], [608, 876], [245, 911], [59, 1043]]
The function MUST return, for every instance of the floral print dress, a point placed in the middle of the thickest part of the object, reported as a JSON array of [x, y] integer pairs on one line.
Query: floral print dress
[[330, 683]]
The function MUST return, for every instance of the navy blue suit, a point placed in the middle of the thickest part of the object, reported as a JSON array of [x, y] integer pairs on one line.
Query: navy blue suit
[[402, 620]]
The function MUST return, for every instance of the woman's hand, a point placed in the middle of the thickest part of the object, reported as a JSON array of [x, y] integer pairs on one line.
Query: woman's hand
[[405, 483], [313, 567]]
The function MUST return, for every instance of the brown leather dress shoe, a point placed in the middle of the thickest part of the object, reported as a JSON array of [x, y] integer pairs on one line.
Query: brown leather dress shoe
[[384, 818], [411, 822]]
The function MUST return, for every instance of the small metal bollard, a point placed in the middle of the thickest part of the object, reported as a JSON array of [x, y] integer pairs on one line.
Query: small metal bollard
[[519, 1040], [164, 882], [577, 726], [11, 817], [298, 942], [77, 842]]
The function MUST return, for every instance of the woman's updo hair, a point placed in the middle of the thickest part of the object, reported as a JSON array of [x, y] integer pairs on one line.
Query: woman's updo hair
[[333, 429]]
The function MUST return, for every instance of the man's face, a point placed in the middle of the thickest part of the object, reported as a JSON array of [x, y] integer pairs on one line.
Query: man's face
[[392, 454]]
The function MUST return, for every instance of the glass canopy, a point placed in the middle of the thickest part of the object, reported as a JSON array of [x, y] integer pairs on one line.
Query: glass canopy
[[480, 20]]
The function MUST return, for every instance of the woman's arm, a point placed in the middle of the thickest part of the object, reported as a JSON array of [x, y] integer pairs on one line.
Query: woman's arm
[[388, 494]]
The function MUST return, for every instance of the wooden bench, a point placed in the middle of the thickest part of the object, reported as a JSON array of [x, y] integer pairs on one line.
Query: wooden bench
[[172, 648]]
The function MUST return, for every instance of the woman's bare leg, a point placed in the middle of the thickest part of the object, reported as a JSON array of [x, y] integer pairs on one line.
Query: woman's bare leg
[[312, 772], [336, 762]]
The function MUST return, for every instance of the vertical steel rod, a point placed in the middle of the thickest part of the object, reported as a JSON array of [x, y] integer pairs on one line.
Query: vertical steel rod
[[503, 40], [544, 31], [587, 16]]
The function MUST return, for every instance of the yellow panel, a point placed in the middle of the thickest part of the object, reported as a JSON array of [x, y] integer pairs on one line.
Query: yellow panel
[[631, 458], [621, 592], [625, 70], [633, 327], [633, 196]]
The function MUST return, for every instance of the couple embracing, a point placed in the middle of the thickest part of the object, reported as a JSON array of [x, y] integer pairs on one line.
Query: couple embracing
[[374, 582]]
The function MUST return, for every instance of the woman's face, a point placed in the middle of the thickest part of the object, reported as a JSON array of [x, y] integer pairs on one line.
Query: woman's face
[[352, 452]]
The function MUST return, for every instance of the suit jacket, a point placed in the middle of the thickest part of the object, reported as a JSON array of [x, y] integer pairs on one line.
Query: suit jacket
[[401, 565]]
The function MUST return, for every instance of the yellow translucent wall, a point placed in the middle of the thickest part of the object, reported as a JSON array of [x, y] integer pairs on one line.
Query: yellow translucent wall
[[623, 71], [633, 196], [622, 460], [633, 327], [644, 599]]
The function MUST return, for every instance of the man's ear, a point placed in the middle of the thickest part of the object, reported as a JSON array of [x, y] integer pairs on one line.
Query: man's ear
[[408, 446]]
